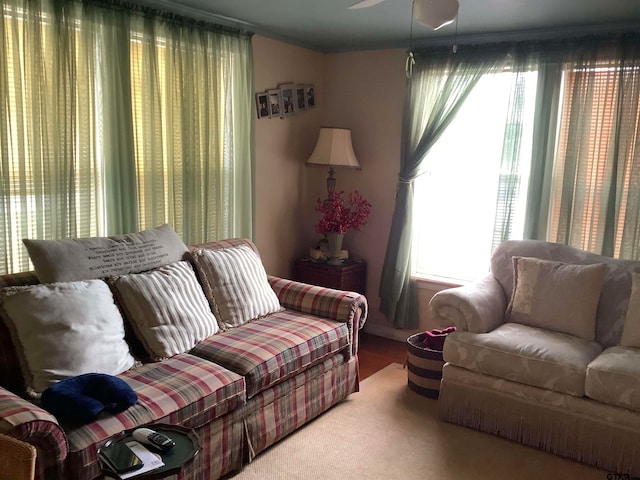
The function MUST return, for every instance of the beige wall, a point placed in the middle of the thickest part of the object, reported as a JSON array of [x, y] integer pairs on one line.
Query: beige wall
[[282, 146], [363, 91]]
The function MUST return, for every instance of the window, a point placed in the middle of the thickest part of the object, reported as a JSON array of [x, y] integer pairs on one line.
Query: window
[[474, 185], [43, 170], [91, 146], [473, 193], [596, 179]]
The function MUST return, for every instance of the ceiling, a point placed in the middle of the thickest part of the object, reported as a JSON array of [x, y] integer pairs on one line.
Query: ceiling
[[329, 26]]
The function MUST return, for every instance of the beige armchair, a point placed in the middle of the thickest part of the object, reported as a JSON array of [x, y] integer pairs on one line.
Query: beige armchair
[[552, 369]]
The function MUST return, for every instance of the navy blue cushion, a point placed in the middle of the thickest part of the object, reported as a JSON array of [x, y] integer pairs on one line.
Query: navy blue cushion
[[82, 398]]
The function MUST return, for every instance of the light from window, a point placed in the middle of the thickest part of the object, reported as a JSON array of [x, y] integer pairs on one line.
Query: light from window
[[457, 198]]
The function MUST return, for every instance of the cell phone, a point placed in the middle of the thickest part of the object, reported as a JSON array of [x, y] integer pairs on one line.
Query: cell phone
[[121, 458]]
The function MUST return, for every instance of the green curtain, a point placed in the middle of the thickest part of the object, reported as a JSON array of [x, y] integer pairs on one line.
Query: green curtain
[[113, 31], [435, 92], [573, 197], [50, 172], [627, 148], [117, 118], [193, 129], [584, 186], [598, 162], [545, 126]]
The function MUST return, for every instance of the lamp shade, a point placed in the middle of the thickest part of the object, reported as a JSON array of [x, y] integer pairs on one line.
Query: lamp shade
[[334, 149], [435, 13]]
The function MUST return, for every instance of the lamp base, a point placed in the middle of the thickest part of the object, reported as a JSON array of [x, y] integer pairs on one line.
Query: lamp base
[[331, 180]]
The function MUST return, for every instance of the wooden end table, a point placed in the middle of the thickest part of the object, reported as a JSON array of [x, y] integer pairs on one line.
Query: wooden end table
[[351, 275]]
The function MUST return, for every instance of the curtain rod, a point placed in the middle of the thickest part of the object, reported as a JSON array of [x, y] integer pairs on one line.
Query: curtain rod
[[168, 16], [547, 46]]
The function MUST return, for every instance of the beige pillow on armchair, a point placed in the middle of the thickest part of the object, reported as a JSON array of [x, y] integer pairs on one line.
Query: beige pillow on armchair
[[556, 296]]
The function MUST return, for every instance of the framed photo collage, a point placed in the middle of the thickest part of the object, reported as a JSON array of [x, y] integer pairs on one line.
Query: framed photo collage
[[285, 100]]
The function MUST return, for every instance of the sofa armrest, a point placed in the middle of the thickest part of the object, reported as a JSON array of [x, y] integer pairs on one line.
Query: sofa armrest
[[29, 423], [337, 305], [477, 308]]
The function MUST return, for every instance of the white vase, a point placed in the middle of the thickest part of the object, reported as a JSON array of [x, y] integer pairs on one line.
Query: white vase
[[335, 247]]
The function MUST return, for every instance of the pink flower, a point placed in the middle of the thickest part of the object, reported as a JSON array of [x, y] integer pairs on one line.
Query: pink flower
[[337, 217]]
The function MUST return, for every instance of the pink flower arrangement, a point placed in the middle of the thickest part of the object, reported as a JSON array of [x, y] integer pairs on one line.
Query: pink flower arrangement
[[337, 217]]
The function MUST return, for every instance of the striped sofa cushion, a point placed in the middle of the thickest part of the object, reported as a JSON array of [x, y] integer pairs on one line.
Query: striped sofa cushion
[[236, 285], [166, 308], [225, 243], [183, 390], [271, 349]]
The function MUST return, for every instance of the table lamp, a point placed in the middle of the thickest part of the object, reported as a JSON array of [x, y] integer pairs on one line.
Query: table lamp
[[334, 149]]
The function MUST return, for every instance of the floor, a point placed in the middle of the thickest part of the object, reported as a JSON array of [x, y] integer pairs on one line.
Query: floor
[[375, 353]]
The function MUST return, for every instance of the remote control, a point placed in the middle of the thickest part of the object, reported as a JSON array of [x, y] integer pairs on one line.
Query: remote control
[[153, 438]]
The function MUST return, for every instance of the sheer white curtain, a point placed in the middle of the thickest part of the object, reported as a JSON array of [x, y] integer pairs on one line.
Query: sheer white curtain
[[114, 120]]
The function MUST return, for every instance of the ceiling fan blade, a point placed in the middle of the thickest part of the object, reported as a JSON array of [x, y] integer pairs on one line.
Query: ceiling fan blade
[[365, 4]]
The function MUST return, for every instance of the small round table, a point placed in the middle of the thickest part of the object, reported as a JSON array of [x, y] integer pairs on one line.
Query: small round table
[[186, 448]]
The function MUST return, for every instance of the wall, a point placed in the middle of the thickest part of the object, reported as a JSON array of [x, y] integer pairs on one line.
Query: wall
[[363, 91], [282, 146]]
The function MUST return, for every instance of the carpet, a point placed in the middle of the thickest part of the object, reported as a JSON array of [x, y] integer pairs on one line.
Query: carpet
[[386, 431]]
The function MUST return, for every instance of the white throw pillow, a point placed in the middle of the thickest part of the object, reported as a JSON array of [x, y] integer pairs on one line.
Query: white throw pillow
[[72, 259], [166, 308], [236, 284], [61, 330]]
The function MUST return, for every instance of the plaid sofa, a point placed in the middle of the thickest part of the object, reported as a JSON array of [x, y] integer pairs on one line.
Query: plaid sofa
[[241, 390]]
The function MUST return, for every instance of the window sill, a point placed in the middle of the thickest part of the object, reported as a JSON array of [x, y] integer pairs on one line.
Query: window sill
[[433, 281]]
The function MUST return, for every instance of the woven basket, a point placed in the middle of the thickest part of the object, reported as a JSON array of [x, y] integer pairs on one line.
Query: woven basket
[[424, 367]]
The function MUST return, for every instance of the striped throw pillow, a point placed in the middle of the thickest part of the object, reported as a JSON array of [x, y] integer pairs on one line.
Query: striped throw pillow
[[166, 308], [236, 285]]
